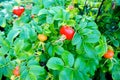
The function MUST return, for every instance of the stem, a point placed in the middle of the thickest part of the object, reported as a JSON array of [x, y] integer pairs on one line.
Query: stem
[[69, 68], [114, 60], [99, 10], [105, 62], [117, 51], [43, 45], [85, 6], [77, 6]]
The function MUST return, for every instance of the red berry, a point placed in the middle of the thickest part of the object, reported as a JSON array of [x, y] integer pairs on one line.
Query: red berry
[[67, 31], [109, 54], [18, 11], [16, 71]]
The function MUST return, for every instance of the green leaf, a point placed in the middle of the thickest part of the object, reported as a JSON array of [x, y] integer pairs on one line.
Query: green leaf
[[90, 51], [37, 28], [80, 64], [51, 50], [49, 19], [116, 43], [8, 6], [37, 70], [68, 58], [119, 24], [55, 63], [0, 73], [66, 16], [116, 72], [86, 31], [83, 24], [9, 68], [27, 46], [117, 2], [76, 39], [24, 19], [60, 2], [4, 42], [31, 76], [24, 33], [91, 33], [28, 33], [92, 38], [4, 50], [92, 25], [37, 2], [59, 50], [86, 65], [2, 22], [100, 50], [71, 22], [102, 47], [48, 3], [24, 73], [80, 48], [35, 9], [32, 62], [2, 61], [32, 34], [78, 75], [42, 11], [59, 15], [18, 45], [6, 66], [66, 74], [7, 71], [12, 35]]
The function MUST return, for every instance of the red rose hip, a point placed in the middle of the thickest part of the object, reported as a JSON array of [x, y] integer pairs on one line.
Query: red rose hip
[[109, 54], [16, 71], [67, 31], [18, 11]]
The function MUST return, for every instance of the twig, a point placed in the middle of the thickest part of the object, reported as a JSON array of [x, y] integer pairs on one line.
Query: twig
[[80, 10], [85, 6], [99, 10]]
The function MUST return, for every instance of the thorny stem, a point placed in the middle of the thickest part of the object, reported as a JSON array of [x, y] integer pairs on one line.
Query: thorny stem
[[76, 5], [85, 6], [99, 10]]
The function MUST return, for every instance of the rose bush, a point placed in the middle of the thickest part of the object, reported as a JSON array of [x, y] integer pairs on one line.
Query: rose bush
[[59, 39]]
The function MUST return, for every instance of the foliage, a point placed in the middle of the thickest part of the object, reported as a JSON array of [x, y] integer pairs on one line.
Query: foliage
[[96, 24]]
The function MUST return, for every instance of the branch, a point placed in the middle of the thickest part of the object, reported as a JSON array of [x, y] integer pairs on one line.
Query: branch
[[77, 6], [85, 6], [99, 10]]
